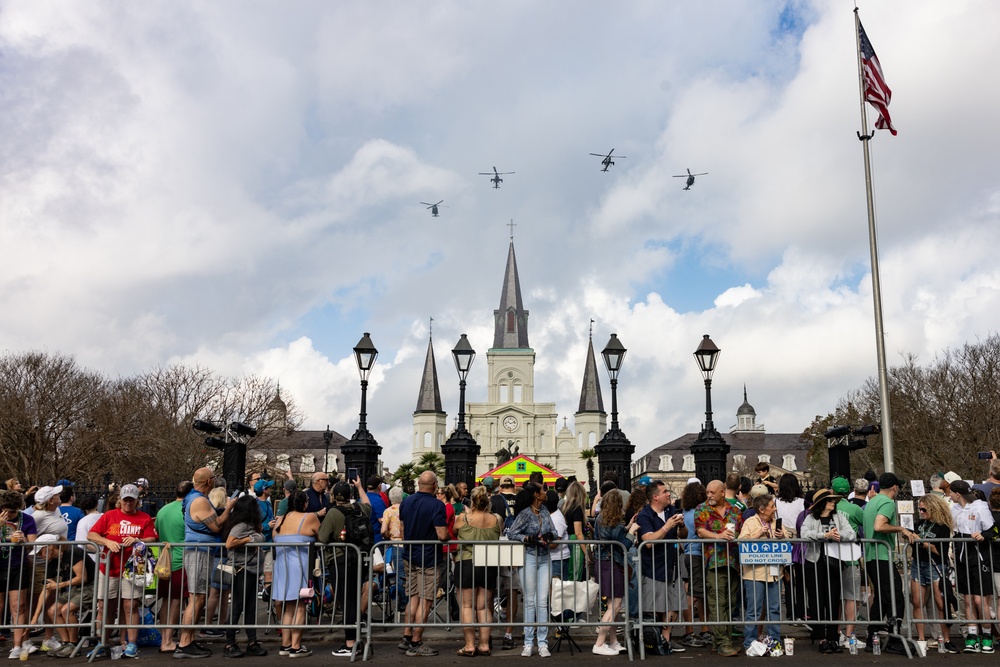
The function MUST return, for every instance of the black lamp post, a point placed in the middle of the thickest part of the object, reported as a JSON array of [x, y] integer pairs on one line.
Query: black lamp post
[[614, 451], [362, 451], [327, 439], [710, 449], [461, 451]]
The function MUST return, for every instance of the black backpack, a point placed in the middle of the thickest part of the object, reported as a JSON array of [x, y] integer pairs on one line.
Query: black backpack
[[357, 528]]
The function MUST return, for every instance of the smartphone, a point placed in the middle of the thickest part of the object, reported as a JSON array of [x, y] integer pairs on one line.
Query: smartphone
[[352, 474], [235, 495], [985, 455], [777, 524]]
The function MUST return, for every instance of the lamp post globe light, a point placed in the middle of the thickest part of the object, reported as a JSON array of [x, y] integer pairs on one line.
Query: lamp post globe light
[[614, 451], [362, 451], [710, 449], [461, 450]]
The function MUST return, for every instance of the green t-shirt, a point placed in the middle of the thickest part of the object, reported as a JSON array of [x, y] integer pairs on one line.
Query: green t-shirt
[[738, 504], [886, 542], [170, 528], [855, 515]]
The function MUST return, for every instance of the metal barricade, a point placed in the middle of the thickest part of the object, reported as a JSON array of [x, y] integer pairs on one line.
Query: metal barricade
[[50, 585], [477, 586]]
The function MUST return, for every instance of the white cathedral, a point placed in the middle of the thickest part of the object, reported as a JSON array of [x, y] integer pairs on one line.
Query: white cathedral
[[511, 421]]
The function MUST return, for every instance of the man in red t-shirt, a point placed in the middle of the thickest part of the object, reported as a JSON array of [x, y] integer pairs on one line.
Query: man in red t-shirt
[[118, 530]]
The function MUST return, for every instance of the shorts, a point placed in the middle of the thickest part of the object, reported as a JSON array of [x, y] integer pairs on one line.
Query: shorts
[[196, 569], [113, 588], [174, 588], [467, 576], [851, 581], [509, 580], [81, 598], [662, 596], [17, 578], [268, 560], [972, 578], [923, 573], [611, 579], [696, 568], [421, 582]]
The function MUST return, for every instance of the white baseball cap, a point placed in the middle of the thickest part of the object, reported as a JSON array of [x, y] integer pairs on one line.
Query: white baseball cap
[[47, 493]]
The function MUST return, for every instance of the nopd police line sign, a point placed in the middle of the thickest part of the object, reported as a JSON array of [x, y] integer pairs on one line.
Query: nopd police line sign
[[765, 553]]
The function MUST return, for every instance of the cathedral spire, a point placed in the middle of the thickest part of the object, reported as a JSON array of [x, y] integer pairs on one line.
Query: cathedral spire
[[429, 399], [511, 319], [590, 394]]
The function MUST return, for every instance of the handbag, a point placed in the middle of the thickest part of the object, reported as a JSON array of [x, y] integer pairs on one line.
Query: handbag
[[225, 573], [164, 568]]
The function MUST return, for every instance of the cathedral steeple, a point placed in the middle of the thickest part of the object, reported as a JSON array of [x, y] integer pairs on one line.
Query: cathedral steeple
[[510, 319], [590, 394], [429, 398]]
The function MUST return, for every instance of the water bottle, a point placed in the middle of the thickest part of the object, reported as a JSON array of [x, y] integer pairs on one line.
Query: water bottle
[[853, 643], [941, 648], [876, 646]]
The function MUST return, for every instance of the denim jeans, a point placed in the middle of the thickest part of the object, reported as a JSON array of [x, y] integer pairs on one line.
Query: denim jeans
[[763, 603], [633, 584], [535, 580]]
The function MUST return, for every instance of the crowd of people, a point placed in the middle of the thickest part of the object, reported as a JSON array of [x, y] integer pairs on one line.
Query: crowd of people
[[674, 560]]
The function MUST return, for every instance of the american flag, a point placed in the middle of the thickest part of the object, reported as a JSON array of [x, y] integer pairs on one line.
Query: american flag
[[876, 90]]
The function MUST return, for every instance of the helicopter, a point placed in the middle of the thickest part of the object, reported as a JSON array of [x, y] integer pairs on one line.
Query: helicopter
[[433, 207], [690, 178], [607, 161], [496, 180]]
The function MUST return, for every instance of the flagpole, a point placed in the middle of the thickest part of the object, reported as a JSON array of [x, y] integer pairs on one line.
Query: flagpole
[[883, 375]]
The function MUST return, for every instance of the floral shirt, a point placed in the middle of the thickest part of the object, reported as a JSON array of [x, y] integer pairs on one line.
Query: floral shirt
[[391, 518], [718, 554]]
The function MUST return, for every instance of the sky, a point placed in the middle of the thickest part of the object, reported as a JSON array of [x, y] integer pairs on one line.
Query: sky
[[237, 185]]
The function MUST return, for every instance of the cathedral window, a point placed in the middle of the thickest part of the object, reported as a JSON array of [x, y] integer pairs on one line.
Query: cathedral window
[[518, 393], [688, 463], [579, 440], [511, 321], [504, 393], [788, 462], [591, 440], [427, 439]]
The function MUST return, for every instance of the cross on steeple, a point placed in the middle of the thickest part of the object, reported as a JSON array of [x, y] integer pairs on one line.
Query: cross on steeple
[[591, 327], [512, 224], [430, 328]]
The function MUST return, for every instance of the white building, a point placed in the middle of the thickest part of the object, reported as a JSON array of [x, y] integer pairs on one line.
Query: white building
[[511, 420]]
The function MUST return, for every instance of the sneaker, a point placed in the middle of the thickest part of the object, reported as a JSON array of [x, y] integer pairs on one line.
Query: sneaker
[[210, 633], [728, 651], [950, 648], [676, 646], [29, 646], [300, 652], [192, 650], [98, 652], [65, 651], [256, 650], [972, 644], [404, 644], [543, 651], [131, 650], [527, 651], [707, 638], [232, 651], [617, 647], [508, 643], [51, 644], [421, 650], [603, 649], [986, 644], [343, 651], [15, 653], [692, 641], [896, 648], [284, 650]]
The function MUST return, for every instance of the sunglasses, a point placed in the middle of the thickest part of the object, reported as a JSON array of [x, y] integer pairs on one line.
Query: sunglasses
[[921, 509]]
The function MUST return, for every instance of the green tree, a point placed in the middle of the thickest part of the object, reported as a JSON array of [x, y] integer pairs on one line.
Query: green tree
[[405, 476], [589, 455], [430, 461]]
